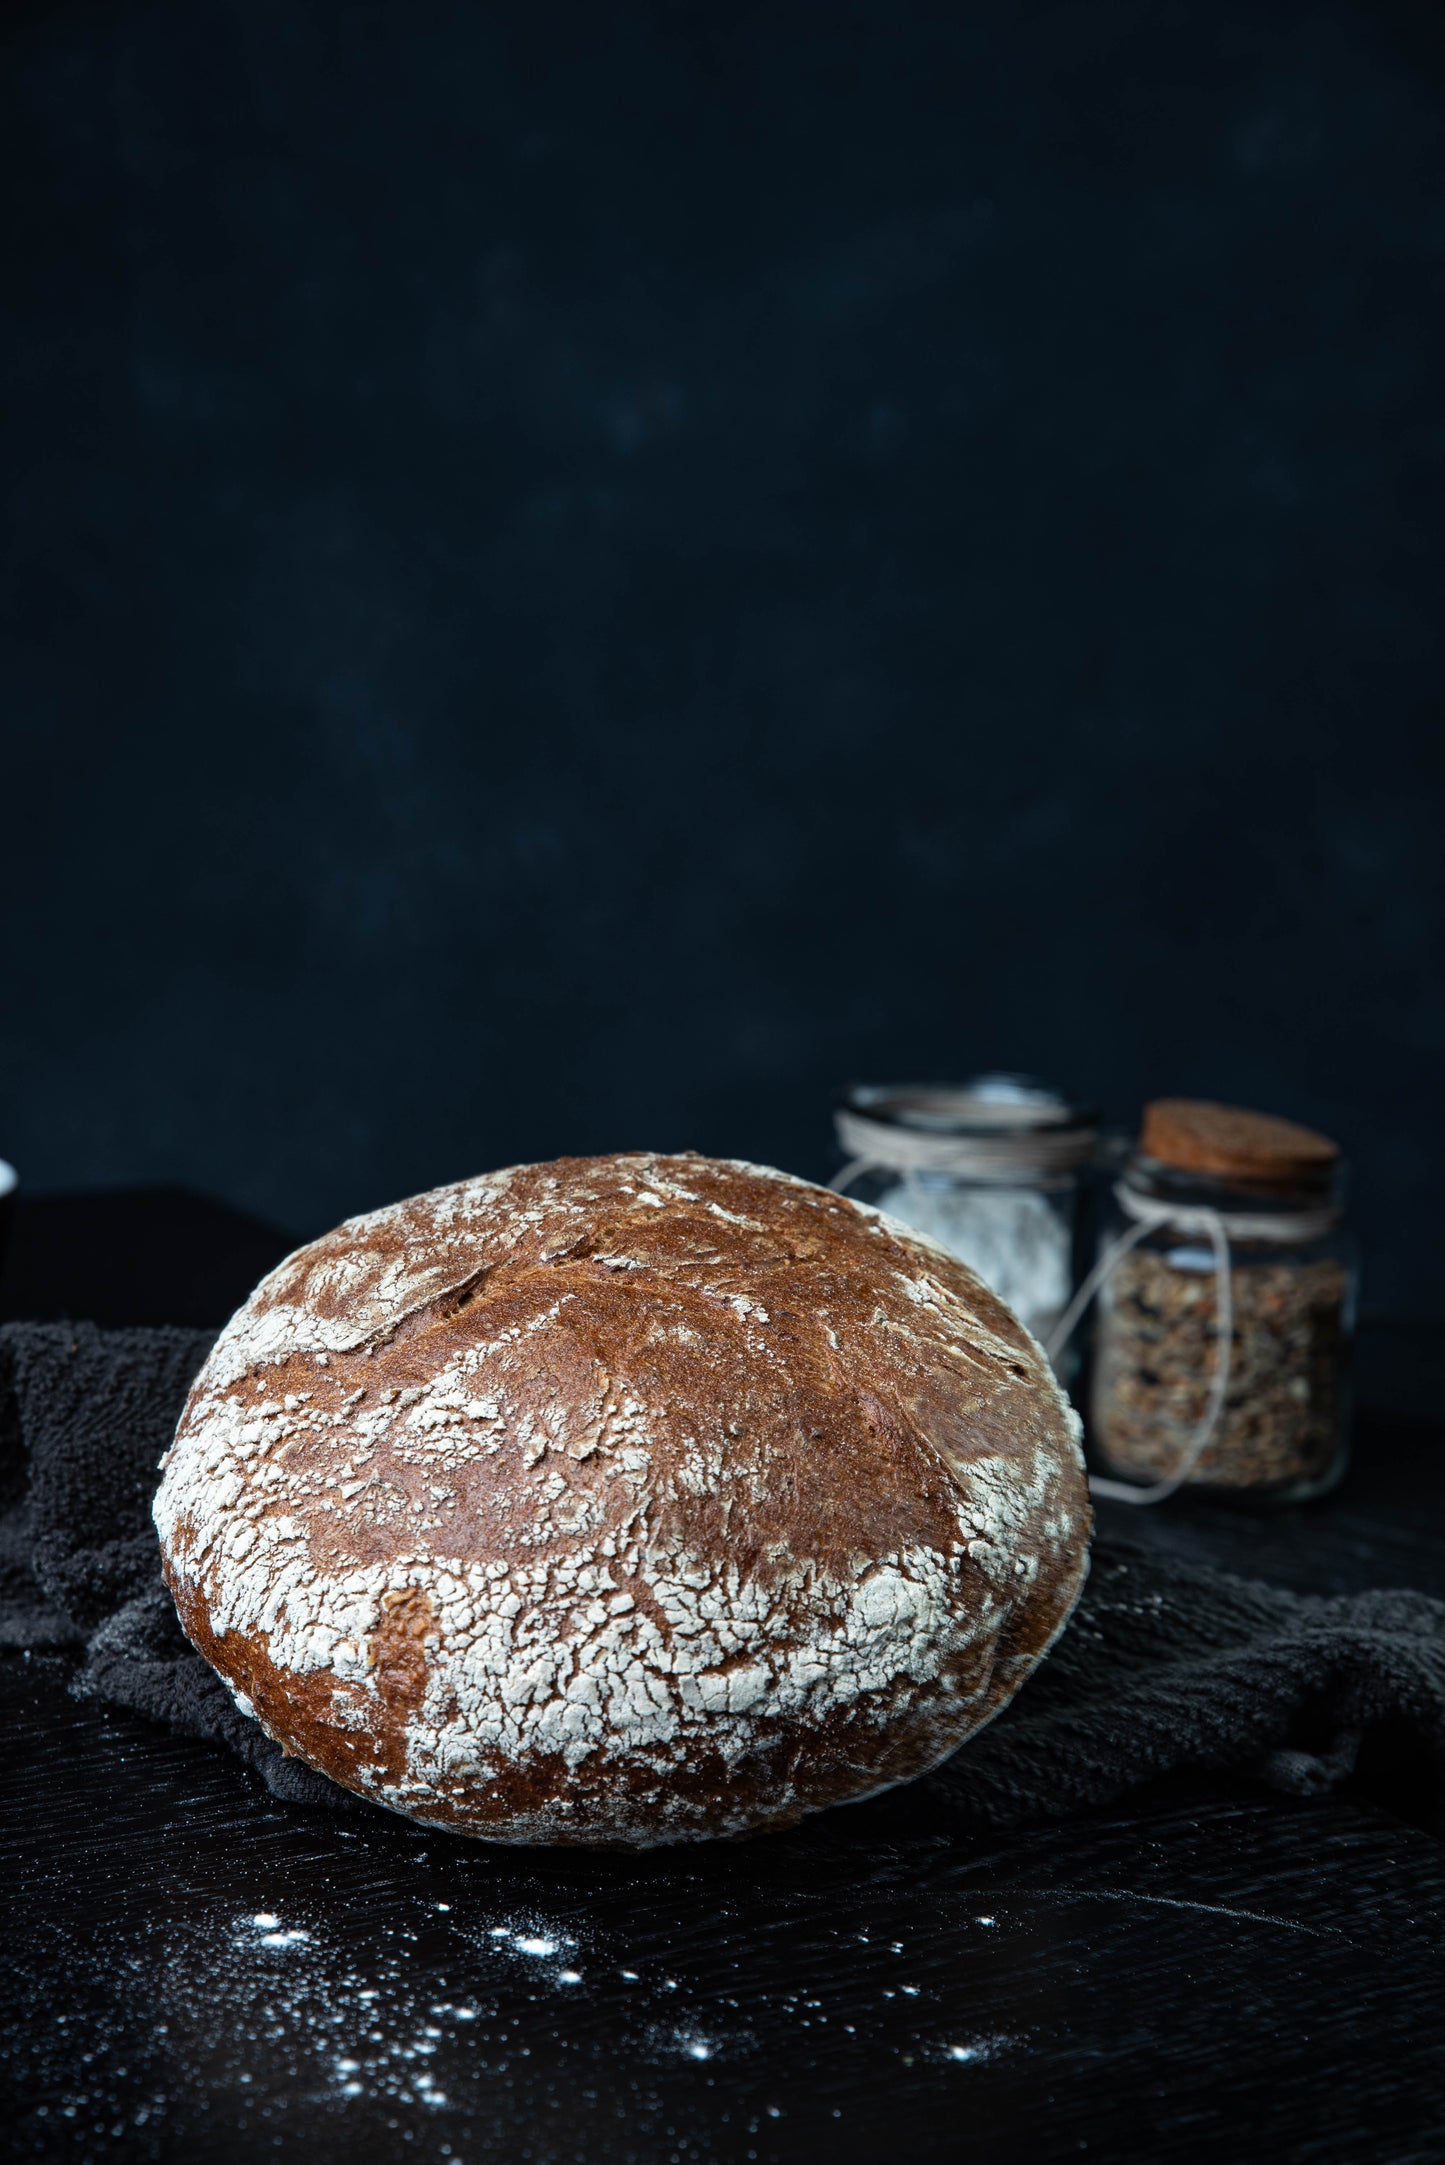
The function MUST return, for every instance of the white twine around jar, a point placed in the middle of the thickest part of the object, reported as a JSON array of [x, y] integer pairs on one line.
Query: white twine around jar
[[1010, 1152], [1218, 1227]]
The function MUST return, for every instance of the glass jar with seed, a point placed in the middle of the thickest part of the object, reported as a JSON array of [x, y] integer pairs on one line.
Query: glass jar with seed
[[1226, 1309]]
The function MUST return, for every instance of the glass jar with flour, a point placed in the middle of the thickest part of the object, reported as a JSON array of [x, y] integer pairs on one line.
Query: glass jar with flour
[[992, 1169]]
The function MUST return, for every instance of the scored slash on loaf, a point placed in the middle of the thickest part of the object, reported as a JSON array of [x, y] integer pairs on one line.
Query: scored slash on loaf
[[623, 1500]]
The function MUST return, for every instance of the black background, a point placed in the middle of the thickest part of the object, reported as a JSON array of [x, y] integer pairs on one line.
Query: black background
[[577, 577]]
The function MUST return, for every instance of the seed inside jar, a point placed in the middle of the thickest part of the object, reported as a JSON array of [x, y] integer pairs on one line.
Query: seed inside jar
[[1155, 1361]]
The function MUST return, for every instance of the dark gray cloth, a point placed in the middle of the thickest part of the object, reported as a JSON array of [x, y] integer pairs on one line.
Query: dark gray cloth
[[1166, 1667], [84, 1417]]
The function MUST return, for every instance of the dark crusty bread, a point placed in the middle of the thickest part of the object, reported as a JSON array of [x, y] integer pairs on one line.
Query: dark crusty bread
[[623, 1500]]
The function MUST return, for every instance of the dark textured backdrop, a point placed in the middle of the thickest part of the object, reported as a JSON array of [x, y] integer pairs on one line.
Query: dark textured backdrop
[[577, 576]]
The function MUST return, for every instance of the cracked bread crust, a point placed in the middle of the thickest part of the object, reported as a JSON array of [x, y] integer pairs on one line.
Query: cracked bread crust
[[623, 1501]]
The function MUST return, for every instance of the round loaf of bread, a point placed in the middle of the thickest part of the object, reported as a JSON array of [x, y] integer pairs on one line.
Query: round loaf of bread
[[623, 1500]]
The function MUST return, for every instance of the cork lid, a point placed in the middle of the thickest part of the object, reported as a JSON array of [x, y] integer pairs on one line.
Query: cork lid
[[1196, 1136]]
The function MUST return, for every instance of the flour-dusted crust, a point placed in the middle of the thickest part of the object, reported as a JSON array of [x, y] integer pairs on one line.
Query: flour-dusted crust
[[623, 1500]]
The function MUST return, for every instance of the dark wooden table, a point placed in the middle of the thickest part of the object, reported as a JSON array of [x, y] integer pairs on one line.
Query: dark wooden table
[[191, 1970]]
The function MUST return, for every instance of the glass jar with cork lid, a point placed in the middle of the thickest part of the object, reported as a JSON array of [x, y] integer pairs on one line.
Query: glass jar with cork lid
[[1227, 1289]]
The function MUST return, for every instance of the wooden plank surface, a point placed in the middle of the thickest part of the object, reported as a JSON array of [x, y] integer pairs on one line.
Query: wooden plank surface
[[193, 1970]]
